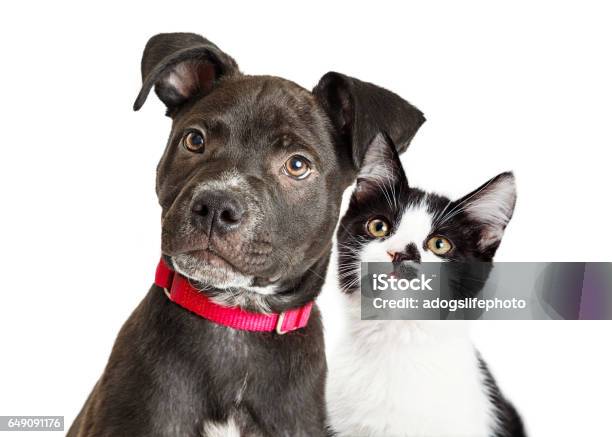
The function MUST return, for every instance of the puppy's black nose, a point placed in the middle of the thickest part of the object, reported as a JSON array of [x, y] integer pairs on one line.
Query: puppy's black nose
[[216, 210]]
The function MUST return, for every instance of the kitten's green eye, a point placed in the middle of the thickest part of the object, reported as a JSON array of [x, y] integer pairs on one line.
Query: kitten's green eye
[[439, 245], [378, 228]]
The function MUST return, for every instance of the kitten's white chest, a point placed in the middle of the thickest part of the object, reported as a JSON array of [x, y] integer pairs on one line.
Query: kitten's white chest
[[401, 378]]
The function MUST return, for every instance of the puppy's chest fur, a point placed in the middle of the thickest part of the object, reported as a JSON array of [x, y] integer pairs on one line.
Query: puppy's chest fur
[[406, 378], [172, 373]]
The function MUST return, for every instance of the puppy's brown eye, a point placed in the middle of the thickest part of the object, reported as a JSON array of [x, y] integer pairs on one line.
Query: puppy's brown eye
[[297, 167], [439, 245], [378, 228], [194, 142]]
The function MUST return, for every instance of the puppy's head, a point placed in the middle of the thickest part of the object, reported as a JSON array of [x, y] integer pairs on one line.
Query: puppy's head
[[251, 180]]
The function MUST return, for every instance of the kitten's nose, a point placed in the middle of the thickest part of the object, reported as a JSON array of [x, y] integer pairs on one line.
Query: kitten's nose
[[410, 253]]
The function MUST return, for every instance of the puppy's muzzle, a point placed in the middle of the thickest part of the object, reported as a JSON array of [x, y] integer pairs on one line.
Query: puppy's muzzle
[[217, 212]]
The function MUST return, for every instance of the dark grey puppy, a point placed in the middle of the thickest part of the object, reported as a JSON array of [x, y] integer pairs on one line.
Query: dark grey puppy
[[250, 186]]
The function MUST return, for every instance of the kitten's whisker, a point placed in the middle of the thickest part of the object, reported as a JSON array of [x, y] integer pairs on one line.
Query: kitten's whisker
[[441, 214], [382, 186]]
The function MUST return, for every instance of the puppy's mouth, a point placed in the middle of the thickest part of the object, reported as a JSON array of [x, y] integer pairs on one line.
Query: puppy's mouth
[[212, 258], [212, 269]]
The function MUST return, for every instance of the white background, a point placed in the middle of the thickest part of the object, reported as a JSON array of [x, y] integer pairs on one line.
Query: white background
[[520, 85]]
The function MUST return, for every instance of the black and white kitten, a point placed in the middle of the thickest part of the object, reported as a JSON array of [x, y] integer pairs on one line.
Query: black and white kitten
[[414, 378]]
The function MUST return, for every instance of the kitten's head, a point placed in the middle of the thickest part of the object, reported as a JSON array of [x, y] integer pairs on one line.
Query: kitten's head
[[388, 221]]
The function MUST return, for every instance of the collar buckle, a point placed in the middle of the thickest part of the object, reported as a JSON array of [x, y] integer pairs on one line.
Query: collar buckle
[[293, 319], [279, 324]]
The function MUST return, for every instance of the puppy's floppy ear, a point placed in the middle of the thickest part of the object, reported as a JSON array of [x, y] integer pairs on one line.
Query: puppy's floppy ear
[[181, 66], [380, 167], [359, 110]]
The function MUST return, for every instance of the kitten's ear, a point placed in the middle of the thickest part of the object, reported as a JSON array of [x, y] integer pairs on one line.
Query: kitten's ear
[[491, 206], [181, 66], [359, 110], [380, 167]]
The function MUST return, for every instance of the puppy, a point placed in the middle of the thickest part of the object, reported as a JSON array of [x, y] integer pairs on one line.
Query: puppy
[[228, 341]]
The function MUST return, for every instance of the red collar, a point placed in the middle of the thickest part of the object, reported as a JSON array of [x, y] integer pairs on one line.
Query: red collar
[[180, 291]]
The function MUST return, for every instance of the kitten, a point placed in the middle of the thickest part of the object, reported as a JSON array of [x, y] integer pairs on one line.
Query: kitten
[[414, 378]]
